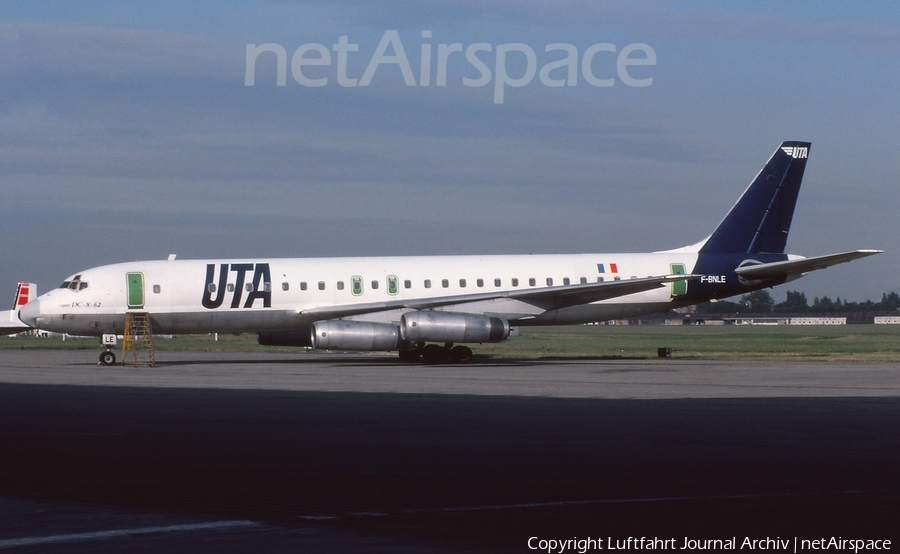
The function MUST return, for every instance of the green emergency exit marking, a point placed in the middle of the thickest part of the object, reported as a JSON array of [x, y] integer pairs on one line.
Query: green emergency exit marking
[[679, 288], [135, 290]]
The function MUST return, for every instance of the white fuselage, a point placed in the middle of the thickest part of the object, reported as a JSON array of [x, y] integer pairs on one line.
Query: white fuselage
[[281, 294]]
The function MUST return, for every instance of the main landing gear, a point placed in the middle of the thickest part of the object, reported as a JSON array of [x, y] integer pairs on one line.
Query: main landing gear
[[432, 354]]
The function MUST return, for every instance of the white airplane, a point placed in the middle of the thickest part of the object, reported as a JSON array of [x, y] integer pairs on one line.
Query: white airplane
[[423, 306]]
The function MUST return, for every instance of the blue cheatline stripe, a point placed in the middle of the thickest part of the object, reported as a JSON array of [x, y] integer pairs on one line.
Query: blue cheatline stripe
[[600, 268], [28, 541]]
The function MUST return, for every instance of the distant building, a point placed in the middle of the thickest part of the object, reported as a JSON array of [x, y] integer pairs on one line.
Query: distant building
[[789, 321], [887, 320]]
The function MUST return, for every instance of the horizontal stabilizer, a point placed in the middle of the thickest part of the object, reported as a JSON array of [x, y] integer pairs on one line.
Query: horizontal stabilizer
[[801, 266]]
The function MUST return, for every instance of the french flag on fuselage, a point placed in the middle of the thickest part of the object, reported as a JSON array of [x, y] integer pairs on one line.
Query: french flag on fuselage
[[613, 268]]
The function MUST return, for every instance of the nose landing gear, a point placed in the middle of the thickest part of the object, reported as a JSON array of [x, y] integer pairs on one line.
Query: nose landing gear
[[108, 358]]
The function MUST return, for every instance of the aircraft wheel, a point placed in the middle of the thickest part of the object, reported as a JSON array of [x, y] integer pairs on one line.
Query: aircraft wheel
[[107, 358], [411, 356], [434, 354], [460, 354]]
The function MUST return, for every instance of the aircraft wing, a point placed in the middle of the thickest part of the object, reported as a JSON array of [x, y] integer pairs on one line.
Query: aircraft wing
[[801, 266], [10, 323], [542, 299]]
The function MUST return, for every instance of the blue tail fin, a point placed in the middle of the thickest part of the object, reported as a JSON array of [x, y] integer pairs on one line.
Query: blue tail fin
[[761, 219]]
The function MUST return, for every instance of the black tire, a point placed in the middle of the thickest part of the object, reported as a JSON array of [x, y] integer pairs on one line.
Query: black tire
[[460, 354], [107, 358], [434, 354]]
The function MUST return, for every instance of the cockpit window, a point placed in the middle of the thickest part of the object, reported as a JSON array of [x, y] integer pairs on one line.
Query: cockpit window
[[75, 284]]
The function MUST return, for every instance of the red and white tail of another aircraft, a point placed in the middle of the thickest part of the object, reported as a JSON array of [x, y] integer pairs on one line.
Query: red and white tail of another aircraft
[[9, 319]]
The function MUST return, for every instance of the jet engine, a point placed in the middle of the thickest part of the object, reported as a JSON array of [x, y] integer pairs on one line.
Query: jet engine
[[429, 325], [338, 334]]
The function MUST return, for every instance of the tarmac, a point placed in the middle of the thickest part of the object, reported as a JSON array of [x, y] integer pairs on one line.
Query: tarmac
[[335, 452]]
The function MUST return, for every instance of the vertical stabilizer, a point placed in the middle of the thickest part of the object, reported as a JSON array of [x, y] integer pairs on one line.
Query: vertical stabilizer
[[25, 293], [761, 219]]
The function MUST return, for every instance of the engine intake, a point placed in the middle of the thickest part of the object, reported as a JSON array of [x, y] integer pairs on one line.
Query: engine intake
[[429, 325], [337, 334]]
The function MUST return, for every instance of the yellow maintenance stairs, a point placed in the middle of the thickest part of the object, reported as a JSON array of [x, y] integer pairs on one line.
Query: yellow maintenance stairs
[[138, 338]]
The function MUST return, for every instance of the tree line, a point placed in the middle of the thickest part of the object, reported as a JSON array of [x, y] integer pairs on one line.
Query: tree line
[[761, 302]]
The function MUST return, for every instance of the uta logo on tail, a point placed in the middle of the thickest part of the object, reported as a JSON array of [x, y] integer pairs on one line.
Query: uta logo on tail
[[796, 151]]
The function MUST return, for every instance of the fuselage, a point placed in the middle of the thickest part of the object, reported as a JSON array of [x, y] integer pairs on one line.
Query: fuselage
[[252, 295]]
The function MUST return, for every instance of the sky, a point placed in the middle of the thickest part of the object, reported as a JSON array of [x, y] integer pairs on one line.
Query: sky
[[130, 130]]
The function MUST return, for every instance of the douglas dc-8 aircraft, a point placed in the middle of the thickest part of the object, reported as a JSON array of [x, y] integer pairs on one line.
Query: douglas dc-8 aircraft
[[422, 306]]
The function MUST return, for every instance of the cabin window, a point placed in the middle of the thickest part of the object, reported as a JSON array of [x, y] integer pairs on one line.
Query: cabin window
[[374, 285], [229, 287], [549, 281], [479, 282], [248, 287], [445, 283], [462, 283], [356, 285], [302, 285], [340, 285], [321, 285], [427, 283], [566, 281], [514, 282], [407, 284], [531, 282], [600, 279], [617, 278], [497, 282], [583, 280], [267, 287], [393, 284], [156, 289], [285, 286], [211, 287]]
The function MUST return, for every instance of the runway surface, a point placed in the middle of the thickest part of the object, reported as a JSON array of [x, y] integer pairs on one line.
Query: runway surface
[[222, 452]]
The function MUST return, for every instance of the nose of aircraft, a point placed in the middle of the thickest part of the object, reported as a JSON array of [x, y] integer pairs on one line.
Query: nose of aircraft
[[30, 312]]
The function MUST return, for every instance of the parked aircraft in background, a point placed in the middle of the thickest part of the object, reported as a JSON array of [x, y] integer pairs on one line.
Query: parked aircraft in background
[[9, 319], [424, 307]]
